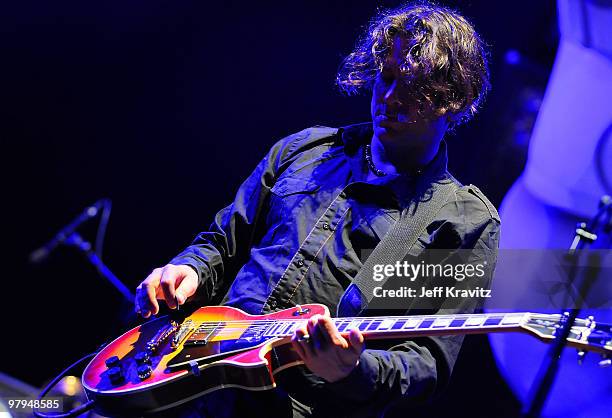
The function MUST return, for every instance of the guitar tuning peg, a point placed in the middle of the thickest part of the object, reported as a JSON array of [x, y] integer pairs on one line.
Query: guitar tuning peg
[[563, 319], [590, 322], [605, 361], [581, 355]]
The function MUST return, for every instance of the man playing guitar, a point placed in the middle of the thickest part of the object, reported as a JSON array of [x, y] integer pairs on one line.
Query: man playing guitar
[[298, 223]]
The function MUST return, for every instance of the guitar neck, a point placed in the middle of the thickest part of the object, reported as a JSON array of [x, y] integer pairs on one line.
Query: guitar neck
[[414, 326], [381, 327]]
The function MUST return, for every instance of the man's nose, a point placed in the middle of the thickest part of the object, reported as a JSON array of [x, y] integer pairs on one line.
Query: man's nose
[[391, 95]]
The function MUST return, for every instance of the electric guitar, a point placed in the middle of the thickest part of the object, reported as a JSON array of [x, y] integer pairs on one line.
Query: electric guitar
[[168, 361]]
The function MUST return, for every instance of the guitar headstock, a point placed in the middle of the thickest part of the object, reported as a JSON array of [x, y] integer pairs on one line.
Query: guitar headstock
[[585, 334]]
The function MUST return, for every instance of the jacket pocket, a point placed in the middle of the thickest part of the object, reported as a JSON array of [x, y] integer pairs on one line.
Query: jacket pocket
[[293, 200]]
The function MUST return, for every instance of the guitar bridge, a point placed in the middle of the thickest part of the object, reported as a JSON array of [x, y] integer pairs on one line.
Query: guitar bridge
[[161, 336]]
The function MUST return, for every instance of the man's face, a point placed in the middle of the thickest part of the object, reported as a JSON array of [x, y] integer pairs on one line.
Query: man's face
[[395, 113]]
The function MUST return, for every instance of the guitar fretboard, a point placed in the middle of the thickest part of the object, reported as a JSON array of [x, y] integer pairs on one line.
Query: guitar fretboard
[[427, 324]]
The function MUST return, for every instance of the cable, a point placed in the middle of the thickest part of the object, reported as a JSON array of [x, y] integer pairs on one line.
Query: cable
[[75, 412]]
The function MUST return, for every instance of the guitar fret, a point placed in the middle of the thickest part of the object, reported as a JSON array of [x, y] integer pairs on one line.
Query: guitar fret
[[441, 323], [375, 325], [457, 323], [296, 325], [364, 324], [474, 321], [386, 324], [411, 323], [343, 325], [426, 323], [281, 325], [399, 324], [285, 330], [493, 320], [512, 319], [353, 324], [271, 331]]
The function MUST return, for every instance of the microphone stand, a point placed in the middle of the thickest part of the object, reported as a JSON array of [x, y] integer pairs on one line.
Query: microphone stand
[[69, 236], [585, 236]]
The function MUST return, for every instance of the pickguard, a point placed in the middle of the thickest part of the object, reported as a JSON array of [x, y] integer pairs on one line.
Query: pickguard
[[217, 348]]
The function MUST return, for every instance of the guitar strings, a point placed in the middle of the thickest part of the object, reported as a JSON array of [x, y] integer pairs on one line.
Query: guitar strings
[[223, 328], [360, 318], [264, 322], [231, 327]]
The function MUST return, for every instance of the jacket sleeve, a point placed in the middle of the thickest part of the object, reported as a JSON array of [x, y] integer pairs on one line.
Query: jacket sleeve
[[219, 252], [418, 369]]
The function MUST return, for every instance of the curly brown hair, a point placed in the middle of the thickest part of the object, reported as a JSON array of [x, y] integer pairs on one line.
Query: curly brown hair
[[445, 59]]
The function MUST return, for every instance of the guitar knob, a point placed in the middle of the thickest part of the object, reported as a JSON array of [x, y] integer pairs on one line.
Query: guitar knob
[[300, 311], [115, 375], [112, 362], [144, 371], [606, 362], [142, 358]]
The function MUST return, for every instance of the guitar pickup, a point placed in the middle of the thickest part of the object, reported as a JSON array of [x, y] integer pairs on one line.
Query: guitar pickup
[[203, 335]]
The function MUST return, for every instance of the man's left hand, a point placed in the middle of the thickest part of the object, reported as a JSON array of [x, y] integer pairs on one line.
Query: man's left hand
[[325, 352]]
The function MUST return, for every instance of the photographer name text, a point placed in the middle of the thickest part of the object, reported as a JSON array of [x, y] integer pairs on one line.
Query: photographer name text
[[435, 292]]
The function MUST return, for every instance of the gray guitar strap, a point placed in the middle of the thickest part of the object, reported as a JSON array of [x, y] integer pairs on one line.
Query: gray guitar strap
[[396, 244]]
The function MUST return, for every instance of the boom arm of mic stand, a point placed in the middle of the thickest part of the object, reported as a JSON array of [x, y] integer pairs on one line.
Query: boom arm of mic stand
[[43, 252], [85, 247]]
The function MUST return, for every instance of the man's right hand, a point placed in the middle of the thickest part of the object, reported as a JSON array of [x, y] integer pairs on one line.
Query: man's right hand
[[170, 283]]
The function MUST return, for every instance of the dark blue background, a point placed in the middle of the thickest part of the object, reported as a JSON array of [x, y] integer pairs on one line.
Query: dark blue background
[[165, 107]]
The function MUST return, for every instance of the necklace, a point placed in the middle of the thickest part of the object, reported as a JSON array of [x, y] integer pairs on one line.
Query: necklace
[[368, 158]]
